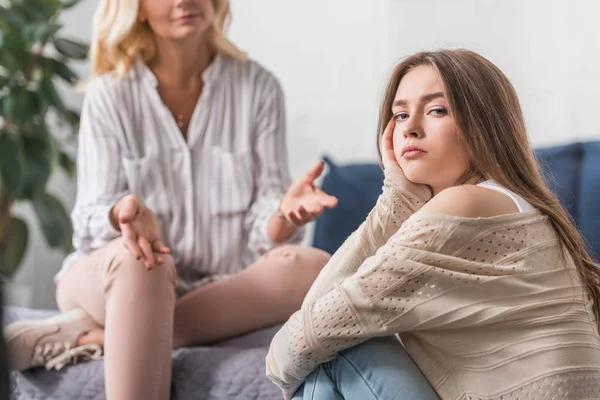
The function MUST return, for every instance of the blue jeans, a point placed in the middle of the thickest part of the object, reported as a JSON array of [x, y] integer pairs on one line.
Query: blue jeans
[[379, 369]]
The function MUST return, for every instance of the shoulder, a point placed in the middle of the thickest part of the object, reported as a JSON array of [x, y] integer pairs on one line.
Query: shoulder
[[103, 91], [112, 89], [98, 87], [471, 201], [252, 74]]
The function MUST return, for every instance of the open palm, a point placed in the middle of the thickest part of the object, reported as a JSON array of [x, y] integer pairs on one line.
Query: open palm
[[304, 202], [139, 228]]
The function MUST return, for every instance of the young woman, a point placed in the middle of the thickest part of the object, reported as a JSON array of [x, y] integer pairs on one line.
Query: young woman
[[467, 256], [183, 198]]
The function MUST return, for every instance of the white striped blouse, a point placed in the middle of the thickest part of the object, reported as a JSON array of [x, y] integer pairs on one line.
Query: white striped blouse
[[212, 194]]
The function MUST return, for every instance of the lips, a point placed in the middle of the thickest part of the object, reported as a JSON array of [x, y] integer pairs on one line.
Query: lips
[[412, 151], [187, 16]]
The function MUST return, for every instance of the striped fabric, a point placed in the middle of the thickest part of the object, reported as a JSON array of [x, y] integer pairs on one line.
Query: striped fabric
[[214, 193]]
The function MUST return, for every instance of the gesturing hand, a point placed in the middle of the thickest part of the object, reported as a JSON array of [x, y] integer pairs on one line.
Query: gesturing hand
[[304, 202], [138, 226]]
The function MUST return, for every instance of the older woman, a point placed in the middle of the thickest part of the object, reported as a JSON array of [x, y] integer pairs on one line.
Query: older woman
[[183, 199]]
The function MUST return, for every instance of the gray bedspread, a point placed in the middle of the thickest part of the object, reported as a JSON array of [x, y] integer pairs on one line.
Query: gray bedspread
[[234, 369]]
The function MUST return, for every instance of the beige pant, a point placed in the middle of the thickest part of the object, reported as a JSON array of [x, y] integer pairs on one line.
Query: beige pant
[[143, 320]]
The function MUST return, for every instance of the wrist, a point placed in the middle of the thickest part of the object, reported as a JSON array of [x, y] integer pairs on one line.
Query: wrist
[[283, 218], [279, 228]]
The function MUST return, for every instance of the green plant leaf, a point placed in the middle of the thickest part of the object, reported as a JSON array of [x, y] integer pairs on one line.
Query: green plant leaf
[[14, 52], [73, 118], [16, 61], [51, 97], [38, 152], [67, 164], [3, 81], [14, 247], [11, 39], [66, 4], [49, 7], [8, 61], [63, 71], [32, 10], [40, 32], [71, 49], [70, 120], [54, 152], [54, 220], [13, 17], [8, 105], [20, 104], [12, 162]]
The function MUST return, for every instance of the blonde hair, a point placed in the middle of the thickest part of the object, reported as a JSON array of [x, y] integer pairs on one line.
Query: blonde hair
[[119, 38], [489, 120]]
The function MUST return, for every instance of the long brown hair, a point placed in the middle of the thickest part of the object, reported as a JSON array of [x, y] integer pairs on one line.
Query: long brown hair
[[490, 122]]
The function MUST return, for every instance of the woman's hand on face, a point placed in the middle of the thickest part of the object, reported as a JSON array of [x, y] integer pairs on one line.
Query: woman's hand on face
[[304, 202], [139, 228], [388, 157]]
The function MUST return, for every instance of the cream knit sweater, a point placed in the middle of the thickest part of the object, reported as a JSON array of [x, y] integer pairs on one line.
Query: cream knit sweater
[[487, 307]]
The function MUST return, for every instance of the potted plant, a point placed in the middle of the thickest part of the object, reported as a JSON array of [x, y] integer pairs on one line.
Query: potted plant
[[35, 124]]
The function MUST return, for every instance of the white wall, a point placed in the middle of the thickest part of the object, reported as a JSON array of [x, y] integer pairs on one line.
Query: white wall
[[333, 57]]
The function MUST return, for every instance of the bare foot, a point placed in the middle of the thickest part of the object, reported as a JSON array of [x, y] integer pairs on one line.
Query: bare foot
[[95, 336]]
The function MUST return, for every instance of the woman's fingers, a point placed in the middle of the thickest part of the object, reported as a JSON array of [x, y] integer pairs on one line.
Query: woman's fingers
[[305, 216], [317, 213], [134, 220], [325, 199], [388, 133], [147, 251], [159, 247], [387, 145], [314, 172], [316, 204], [311, 208], [128, 210], [130, 240], [295, 219]]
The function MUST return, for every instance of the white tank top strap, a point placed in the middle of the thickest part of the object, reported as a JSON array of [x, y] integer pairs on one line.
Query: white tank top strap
[[521, 203]]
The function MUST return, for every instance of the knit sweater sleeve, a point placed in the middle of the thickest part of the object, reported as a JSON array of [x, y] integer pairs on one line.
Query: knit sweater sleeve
[[400, 198], [384, 296]]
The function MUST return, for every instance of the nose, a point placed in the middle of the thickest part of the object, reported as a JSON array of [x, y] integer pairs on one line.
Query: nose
[[412, 129], [183, 3]]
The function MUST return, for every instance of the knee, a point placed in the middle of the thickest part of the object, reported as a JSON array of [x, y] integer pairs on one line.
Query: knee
[[296, 267], [124, 264]]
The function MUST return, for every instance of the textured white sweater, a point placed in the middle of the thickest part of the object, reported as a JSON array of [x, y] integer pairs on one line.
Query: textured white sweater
[[487, 307]]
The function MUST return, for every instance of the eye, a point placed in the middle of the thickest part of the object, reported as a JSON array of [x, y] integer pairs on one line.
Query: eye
[[439, 112], [400, 116]]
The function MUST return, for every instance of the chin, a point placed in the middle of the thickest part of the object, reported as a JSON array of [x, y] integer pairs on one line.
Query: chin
[[189, 31], [418, 178], [415, 173]]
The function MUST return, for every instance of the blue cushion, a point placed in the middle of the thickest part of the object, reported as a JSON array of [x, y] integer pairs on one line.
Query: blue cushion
[[561, 170], [357, 187], [589, 197]]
